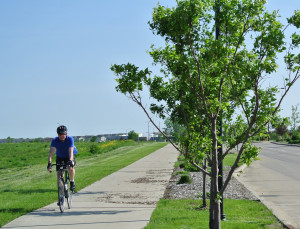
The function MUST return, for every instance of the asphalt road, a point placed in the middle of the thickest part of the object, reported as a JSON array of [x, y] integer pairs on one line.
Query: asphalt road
[[275, 179]]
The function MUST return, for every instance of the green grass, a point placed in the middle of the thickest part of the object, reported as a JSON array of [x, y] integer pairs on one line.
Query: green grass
[[230, 159], [19, 155], [25, 185], [187, 214]]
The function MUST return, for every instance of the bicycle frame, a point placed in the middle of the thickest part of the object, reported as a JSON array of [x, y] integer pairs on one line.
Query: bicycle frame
[[62, 184]]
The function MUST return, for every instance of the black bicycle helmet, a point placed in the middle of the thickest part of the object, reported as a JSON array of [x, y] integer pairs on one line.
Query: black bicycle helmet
[[62, 130]]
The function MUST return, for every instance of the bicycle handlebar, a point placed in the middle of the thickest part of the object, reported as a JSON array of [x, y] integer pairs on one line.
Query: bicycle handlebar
[[65, 166]]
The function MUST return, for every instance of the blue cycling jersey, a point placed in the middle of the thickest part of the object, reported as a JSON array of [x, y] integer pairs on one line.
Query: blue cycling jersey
[[62, 148]]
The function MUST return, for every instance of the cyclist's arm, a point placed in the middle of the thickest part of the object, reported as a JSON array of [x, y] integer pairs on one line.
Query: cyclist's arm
[[51, 153], [71, 155]]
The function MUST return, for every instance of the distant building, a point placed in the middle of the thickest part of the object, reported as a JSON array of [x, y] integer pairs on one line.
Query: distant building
[[87, 138]]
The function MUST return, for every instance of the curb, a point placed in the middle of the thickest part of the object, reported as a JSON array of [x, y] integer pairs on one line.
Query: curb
[[239, 170], [285, 144]]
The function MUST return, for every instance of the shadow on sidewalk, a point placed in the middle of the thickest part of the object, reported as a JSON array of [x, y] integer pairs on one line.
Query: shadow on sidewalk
[[73, 212], [83, 224]]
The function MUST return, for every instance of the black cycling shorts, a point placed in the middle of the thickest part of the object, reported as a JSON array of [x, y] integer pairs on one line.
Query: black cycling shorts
[[63, 160]]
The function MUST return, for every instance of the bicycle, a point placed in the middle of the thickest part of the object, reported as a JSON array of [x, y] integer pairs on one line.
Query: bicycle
[[64, 193]]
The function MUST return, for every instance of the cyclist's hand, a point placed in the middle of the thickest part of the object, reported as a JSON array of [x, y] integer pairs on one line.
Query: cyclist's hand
[[49, 167], [71, 163]]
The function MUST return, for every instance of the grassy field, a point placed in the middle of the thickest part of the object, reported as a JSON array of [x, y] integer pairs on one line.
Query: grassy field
[[25, 184]]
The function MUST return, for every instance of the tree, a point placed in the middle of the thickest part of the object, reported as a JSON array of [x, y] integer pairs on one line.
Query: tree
[[281, 126], [295, 118], [93, 139], [281, 129], [132, 135], [10, 140], [173, 129], [205, 80], [37, 140]]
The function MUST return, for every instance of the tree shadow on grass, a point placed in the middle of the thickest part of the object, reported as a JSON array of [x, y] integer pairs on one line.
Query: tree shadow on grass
[[16, 210], [29, 191]]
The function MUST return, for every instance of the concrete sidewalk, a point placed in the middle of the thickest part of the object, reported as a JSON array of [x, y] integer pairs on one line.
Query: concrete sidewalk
[[124, 199]]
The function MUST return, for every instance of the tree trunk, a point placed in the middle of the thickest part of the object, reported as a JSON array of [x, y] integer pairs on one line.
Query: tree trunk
[[204, 187], [214, 209]]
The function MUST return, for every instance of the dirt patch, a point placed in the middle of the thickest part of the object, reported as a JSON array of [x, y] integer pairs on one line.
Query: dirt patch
[[146, 180], [126, 198]]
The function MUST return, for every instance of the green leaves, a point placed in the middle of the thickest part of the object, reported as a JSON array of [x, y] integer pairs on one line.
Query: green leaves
[[250, 153], [292, 61], [178, 23], [295, 19], [130, 78], [295, 39]]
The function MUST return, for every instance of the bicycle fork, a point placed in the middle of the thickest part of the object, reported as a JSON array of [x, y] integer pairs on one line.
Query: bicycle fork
[[66, 190]]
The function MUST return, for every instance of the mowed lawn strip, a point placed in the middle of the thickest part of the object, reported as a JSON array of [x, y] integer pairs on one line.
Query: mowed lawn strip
[[240, 214], [28, 188]]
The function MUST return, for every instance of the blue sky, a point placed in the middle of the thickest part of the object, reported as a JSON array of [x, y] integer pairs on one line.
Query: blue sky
[[55, 58]]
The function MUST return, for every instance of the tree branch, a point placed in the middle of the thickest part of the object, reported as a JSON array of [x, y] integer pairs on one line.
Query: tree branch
[[199, 74], [138, 101], [201, 169]]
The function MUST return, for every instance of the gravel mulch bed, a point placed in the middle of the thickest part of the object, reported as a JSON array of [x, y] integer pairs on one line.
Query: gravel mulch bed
[[234, 190]]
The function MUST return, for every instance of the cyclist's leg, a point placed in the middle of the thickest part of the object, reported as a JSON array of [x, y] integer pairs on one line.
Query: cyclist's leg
[[72, 170], [72, 174]]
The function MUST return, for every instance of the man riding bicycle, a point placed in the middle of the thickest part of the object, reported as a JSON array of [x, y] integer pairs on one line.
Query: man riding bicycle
[[65, 150]]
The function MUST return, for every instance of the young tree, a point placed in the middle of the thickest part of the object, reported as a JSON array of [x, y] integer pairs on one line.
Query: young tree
[[295, 118], [205, 80]]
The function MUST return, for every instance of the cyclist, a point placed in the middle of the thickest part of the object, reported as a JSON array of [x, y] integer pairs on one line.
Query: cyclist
[[65, 150]]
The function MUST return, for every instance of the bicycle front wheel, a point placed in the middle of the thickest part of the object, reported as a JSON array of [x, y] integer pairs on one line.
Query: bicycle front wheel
[[62, 203], [68, 192], [69, 198], [61, 196]]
